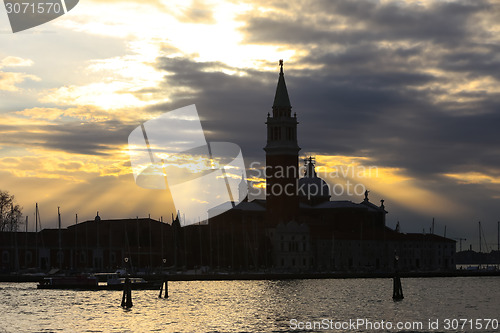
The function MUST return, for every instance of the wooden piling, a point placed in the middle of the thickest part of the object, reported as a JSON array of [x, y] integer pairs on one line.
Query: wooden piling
[[397, 293], [165, 282], [397, 289], [127, 294]]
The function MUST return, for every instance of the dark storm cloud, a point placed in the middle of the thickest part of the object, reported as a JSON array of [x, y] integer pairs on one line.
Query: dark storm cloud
[[89, 138], [398, 129], [441, 21], [474, 63], [358, 113], [79, 138], [315, 21]]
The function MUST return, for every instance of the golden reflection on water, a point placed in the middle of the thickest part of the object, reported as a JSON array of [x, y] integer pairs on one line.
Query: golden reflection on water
[[243, 306]]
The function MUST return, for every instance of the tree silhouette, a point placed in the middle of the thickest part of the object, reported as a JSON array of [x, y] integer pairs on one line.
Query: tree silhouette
[[10, 212]]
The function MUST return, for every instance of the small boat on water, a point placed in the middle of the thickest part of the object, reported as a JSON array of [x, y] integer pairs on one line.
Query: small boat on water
[[69, 282], [115, 281], [91, 282]]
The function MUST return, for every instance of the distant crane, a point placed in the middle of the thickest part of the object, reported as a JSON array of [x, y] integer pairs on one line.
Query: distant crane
[[460, 242]]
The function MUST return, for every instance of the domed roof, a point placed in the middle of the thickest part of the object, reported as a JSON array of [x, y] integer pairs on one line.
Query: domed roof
[[311, 186]]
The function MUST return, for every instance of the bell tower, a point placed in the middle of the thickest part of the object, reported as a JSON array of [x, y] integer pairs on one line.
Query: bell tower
[[282, 158]]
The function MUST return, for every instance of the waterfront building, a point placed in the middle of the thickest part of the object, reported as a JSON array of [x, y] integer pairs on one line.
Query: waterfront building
[[304, 230]]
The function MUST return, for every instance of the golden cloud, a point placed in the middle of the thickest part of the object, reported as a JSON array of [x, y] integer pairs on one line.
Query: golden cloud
[[113, 197], [473, 177], [44, 163], [8, 80], [80, 112], [390, 183], [11, 61]]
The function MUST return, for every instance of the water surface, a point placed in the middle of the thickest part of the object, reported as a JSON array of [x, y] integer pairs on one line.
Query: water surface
[[252, 306]]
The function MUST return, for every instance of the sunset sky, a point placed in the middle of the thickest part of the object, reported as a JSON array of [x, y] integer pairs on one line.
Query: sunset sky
[[410, 89]]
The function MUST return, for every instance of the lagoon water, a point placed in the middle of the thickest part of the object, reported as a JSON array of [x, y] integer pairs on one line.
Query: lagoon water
[[259, 306]]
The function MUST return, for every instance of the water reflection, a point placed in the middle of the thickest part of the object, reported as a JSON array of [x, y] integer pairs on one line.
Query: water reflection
[[245, 306]]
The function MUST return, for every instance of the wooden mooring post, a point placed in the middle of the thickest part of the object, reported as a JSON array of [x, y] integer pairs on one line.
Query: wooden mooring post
[[397, 289], [127, 294], [165, 282]]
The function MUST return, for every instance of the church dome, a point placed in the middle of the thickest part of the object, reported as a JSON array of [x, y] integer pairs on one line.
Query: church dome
[[312, 188]]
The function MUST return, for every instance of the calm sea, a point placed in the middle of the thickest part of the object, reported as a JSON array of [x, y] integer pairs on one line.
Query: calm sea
[[261, 306]]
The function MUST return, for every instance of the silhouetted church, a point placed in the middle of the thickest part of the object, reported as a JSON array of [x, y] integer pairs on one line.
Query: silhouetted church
[[300, 229]]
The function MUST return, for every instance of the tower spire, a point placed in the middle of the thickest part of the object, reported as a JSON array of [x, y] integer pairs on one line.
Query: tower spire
[[281, 105]]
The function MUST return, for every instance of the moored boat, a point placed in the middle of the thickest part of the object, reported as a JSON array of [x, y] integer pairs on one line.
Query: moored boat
[[69, 282], [137, 283], [91, 282]]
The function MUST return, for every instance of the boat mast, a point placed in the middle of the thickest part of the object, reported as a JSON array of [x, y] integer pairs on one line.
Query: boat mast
[[59, 255], [201, 245], [13, 222], [36, 234], [76, 242], [161, 234], [26, 243], [479, 236]]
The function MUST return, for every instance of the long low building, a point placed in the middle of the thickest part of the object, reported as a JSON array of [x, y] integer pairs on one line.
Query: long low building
[[236, 241], [91, 245]]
